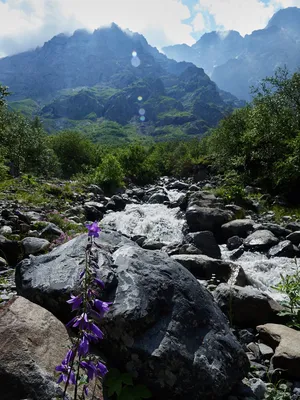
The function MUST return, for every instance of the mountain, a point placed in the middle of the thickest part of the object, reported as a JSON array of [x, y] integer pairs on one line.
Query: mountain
[[236, 63], [88, 78]]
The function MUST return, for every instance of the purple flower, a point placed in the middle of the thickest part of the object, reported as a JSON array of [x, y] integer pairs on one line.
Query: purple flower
[[99, 282], [83, 347], [101, 369], [93, 229], [65, 372], [76, 301], [96, 331], [85, 390], [90, 368], [102, 306], [81, 321]]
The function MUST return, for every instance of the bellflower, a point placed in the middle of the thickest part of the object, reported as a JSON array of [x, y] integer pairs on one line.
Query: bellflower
[[93, 229], [76, 301]]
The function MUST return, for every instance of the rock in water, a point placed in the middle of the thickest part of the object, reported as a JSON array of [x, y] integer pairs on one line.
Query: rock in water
[[32, 343], [163, 326]]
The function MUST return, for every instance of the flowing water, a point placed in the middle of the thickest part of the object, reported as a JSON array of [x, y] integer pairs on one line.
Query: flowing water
[[159, 223]]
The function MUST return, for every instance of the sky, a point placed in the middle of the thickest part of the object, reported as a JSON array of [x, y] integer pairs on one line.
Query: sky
[[26, 24]]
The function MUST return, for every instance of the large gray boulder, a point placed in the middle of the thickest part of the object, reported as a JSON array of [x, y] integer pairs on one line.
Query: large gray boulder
[[260, 240], [246, 306], [207, 219], [32, 343], [238, 227], [163, 326]]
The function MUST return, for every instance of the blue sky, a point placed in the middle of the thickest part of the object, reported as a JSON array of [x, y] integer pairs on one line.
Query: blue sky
[[26, 24]]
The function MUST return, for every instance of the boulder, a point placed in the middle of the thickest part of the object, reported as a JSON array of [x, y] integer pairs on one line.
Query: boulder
[[206, 268], [163, 327], [284, 249], [187, 248], [32, 343], [206, 219], [286, 343], [293, 226], [11, 250], [203, 199], [260, 240], [278, 230], [234, 243], [294, 237], [51, 232], [178, 185], [93, 210], [35, 246], [119, 202], [205, 242], [158, 198], [238, 227], [246, 306]]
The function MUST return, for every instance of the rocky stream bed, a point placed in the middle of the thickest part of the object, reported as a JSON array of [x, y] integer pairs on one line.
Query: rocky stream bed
[[194, 316]]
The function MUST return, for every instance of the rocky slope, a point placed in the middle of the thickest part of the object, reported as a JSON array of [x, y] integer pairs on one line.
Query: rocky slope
[[235, 63]]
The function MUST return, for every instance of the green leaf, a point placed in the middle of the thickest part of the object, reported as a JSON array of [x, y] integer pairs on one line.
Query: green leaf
[[126, 379], [142, 392]]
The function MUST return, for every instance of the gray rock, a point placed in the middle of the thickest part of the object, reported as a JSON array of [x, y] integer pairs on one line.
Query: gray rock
[[3, 264], [32, 343], [35, 246], [234, 243], [260, 240], [258, 387], [246, 306], [93, 210], [164, 327], [276, 229], [265, 351], [11, 250], [237, 211], [5, 230], [152, 245], [51, 232], [178, 185], [158, 198], [294, 237], [284, 249], [95, 189], [187, 248], [205, 242], [293, 226], [203, 267], [203, 199], [238, 227], [206, 219]]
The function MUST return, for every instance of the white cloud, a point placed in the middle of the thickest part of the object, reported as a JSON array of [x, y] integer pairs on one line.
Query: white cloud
[[245, 16], [198, 23], [27, 23]]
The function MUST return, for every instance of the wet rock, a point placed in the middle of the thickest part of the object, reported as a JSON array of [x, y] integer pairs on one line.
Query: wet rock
[[206, 219], [152, 245], [246, 306], [286, 343], [234, 243], [237, 254], [205, 242], [294, 237], [93, 210], [203, 267], [260, 240], [278, 230], [237, 227], [32, 343], [178, 185], [35, 246], [293, 226], [119, 203], [158, 198], [284, 249]]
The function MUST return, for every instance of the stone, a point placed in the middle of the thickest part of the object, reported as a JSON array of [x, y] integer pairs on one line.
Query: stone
[[158, 198], [163, 327], [245, 306], [293, 226], [284, 249], [93, 210], [260, 240], [237, 211], [32, 343], [35, 246], [51, 232], [237, 227], [202, 199], [206, 219], [258, 388], [119, 202], [265, 351], [5, 230], [152, 245], [286, 343], [11, 250], [95, 189], [205, 242], [294, 237], [278, 230], [3, 264], [237, 254], [203, 267], [187, 248], [178, 185], [234, 242]]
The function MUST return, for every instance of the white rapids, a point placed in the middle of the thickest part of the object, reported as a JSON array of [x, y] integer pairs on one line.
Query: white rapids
[[155, 221], [264, 272]]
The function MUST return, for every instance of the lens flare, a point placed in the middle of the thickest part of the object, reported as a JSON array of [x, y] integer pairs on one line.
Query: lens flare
[[140, 98], [142, 118], [142, 111], [135, 62], [134, 54]]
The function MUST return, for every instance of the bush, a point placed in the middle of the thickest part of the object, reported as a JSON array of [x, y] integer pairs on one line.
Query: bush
[[109, 175]]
